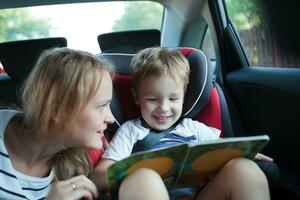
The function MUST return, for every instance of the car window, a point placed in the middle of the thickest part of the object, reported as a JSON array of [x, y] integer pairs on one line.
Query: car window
[[260, 34], [79, 23], [208, 48]]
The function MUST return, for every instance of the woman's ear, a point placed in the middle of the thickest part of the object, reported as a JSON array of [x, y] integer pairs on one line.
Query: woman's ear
[[135, 98], [55, 116]]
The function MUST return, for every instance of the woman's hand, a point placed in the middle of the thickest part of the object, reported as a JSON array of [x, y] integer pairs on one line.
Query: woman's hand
[[74, 188], [263, 157]]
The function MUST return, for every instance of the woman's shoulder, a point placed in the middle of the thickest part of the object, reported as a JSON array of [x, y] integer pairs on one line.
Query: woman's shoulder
[[6, 113], [5, 117]]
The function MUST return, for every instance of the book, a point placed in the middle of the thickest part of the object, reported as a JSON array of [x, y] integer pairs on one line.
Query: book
[[187, 164]]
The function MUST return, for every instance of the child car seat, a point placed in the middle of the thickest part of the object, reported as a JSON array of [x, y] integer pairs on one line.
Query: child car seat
[[204, 100], [201, 103], [201, 100]]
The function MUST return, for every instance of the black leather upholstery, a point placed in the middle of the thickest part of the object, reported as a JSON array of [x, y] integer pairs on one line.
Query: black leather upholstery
[[18, 58], [128, 41]]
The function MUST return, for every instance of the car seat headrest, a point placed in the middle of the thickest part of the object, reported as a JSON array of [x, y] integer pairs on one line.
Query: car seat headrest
[[200, 84], [128, 41], [19, 57], [198, 90]]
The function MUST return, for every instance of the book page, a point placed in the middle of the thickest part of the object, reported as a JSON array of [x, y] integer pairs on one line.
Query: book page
[[206, 159], [166, 162]]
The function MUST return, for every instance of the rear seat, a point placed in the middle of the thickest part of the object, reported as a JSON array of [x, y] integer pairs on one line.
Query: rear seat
[[128, 41], [18, 58]]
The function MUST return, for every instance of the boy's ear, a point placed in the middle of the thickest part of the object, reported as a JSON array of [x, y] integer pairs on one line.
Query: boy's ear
[[135, 97]]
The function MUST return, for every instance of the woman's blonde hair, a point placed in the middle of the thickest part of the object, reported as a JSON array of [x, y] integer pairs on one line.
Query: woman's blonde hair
[[59, 87], [160, 61]]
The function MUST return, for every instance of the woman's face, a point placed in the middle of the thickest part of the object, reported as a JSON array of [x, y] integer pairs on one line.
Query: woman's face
[[94, 118]]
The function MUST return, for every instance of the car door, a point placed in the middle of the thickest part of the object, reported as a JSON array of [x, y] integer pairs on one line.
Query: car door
[[260, 64]]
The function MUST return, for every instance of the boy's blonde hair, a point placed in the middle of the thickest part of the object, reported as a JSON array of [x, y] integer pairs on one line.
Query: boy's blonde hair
[[160, 61], [59, 87]]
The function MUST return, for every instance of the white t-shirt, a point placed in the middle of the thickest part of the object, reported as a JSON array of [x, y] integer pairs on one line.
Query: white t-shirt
[[131, 131], [13, 184]]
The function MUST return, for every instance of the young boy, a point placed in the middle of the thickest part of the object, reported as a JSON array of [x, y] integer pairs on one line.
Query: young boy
[[160, 78]]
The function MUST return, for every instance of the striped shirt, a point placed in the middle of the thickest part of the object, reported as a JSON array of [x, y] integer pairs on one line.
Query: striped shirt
[[15, 185]]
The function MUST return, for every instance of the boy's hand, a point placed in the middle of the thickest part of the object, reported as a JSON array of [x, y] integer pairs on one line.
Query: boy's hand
[[263, 157]]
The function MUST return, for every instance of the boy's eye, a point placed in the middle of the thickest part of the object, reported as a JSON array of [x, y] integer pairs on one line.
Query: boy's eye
[[174, 99]]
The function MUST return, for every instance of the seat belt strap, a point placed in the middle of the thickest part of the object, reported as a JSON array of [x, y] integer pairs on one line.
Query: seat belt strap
[[152, 138]]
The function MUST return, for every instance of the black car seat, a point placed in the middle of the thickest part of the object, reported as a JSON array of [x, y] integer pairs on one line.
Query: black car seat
[[18, 58], [128, 41]]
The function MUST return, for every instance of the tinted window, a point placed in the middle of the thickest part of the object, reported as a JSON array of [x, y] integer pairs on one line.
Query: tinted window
[[208, 48], [264, 31]]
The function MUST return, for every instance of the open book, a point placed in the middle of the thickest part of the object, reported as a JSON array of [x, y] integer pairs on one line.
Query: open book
[[188, 164]]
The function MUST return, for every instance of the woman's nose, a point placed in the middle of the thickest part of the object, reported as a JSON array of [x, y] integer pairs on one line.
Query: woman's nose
[[110, 117]]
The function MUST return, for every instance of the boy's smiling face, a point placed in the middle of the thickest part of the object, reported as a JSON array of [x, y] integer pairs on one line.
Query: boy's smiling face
[[160, 99]]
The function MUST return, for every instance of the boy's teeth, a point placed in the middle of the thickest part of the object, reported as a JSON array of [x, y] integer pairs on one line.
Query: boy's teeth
[[162, 118]]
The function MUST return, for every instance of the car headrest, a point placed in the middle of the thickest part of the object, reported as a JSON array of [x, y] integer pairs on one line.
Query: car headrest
[[128, 41], [198, 90], [19, 57]]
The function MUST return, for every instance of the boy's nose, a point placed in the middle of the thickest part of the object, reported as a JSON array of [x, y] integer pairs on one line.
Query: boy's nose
[[164, 105]]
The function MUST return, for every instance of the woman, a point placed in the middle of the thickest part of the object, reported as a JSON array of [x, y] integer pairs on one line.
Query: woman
[[43, 148]]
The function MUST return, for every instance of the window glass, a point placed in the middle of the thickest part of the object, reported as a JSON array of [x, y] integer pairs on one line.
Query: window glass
[[79, 23], [263, 33], [208, 48]]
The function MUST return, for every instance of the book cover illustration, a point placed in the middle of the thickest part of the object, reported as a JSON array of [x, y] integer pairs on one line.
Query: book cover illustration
[[203, 161], [188, 164], [163, 161]]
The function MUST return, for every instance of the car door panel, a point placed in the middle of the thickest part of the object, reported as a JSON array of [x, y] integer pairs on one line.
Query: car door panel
[[268, 101]]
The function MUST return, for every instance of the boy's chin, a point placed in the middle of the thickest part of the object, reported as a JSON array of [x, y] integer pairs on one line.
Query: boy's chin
[[162, 127]]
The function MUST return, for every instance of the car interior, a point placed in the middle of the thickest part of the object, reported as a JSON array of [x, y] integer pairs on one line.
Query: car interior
[[17, 59], [242, 90], [128, 41]]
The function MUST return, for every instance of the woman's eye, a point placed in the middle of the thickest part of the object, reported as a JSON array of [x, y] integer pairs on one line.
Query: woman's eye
[[104, 105], [151, 99], [101, 106]]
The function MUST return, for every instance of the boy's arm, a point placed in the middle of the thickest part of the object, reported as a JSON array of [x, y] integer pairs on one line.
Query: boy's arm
[[120, 147], [98, 176]]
